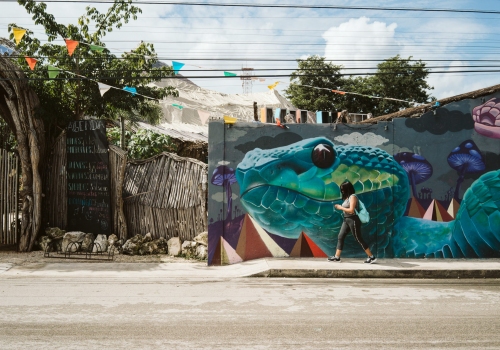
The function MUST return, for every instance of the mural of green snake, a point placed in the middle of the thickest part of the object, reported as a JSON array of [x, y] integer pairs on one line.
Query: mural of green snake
[[293, 189]]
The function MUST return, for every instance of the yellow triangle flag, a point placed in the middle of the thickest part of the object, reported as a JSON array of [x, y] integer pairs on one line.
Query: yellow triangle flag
[[229, 120], [18, 34], [273, 85]]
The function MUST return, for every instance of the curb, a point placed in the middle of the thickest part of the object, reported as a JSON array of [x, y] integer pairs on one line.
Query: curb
[[422, 274]]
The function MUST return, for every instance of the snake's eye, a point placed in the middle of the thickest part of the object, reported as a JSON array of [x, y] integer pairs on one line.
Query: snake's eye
[[323, 156]]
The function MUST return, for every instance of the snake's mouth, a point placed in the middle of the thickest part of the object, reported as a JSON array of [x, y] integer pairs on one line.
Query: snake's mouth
[[285, 202]]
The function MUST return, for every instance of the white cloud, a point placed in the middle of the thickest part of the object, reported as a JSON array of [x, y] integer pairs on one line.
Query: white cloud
[[356, 138], [360, 39], [194, 32], [221, 197]]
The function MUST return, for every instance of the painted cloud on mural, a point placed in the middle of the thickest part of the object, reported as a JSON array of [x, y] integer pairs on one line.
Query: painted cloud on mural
[[356, 138]]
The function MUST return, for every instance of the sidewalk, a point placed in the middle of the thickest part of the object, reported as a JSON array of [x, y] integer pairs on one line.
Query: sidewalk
[[286, 267]]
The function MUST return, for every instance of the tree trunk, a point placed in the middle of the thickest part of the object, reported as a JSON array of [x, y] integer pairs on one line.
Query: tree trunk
[[18, 104]]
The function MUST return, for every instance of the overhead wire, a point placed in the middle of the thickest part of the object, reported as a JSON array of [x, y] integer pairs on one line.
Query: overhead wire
[[280, 6]]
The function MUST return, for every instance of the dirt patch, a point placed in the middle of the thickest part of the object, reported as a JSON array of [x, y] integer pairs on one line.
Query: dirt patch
[[26, 259]]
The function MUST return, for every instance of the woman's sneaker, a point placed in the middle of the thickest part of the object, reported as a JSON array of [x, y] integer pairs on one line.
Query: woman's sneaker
[[370, 260], [334, 258]]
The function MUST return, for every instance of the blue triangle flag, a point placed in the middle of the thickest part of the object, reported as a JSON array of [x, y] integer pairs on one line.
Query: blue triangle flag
[[5, 49], [177, 66], [132, 90]]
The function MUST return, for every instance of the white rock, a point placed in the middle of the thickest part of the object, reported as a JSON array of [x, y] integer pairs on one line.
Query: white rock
[[130, 248], [201, 252], [112, 239], [100, 244], [174, 246], [189, 249], [87, 241], [72, 237], [202, 238]]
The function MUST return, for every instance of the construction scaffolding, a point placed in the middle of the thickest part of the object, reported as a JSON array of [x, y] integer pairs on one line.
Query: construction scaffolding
[[247, 81]]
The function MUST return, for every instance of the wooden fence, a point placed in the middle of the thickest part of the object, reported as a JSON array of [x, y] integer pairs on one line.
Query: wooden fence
[[9, 194], [117, 165], [166, 196]]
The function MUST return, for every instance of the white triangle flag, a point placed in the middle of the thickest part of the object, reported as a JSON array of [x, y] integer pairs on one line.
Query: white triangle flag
[[103, 88], [203, 116]]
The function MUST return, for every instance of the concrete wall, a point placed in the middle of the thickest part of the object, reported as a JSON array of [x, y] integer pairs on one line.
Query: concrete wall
[[431, 186]]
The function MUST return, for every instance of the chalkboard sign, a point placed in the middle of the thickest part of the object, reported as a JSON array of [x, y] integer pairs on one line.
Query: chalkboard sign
[[87, 170]]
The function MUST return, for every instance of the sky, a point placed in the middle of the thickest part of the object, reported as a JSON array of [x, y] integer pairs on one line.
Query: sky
[[207, 37]]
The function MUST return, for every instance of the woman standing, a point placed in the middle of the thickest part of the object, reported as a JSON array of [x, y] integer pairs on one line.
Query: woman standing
[[351, 223]]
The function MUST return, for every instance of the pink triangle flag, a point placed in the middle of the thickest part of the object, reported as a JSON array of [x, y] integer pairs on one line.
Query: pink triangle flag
[[203, 116]]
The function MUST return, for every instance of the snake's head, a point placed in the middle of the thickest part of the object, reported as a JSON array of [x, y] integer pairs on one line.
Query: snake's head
[[299, 167]]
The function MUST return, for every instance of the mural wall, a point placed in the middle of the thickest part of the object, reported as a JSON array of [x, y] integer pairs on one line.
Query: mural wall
[[431, 186]]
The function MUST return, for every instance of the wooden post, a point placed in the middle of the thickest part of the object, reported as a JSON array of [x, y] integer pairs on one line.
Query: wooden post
[[122, 133]]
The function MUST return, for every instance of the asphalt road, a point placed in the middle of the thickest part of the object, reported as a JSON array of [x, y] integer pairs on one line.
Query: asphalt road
[[247, 313]]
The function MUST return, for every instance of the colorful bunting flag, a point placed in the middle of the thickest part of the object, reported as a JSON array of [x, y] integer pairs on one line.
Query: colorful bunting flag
[[177, 66], [5, 50], [103, 88], [229, 74], [96, 48], [177, 106], [18, 34], [53, 72], [229, 120], [132, 90], [272, 86], [203, 116], [71, 45], [31, 62]]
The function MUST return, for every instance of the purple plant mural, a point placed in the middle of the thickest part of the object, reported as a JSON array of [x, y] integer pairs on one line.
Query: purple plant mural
[[465, 159], [487, 118], [224, 176], [417, 168]]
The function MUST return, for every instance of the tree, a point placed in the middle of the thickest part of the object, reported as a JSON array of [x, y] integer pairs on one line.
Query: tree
[[18, 106], [33, 107], [395, 78], [142, 144], [315, 72], [398, 78], [73, 97]]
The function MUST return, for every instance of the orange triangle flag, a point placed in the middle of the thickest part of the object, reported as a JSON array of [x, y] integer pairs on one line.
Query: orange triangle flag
[[31, 62], [71, 44]]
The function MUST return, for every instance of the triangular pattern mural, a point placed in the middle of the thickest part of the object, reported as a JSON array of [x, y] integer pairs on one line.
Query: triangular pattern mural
[[228, 254], [414, 209], [453, 208], [306, 248], [250, 244], [273, 247], [436, 212]]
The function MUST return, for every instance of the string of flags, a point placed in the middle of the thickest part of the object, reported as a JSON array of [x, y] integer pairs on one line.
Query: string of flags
[[71, 46], [356, 93]]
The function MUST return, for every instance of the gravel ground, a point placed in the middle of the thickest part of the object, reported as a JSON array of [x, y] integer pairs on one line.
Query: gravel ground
[[36, 257]]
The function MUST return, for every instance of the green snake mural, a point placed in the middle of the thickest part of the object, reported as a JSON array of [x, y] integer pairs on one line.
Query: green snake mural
[[293, 189]]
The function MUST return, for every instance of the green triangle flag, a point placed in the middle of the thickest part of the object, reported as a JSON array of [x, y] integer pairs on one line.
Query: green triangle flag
[[96, 48], [229, 74], [53, 72]]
